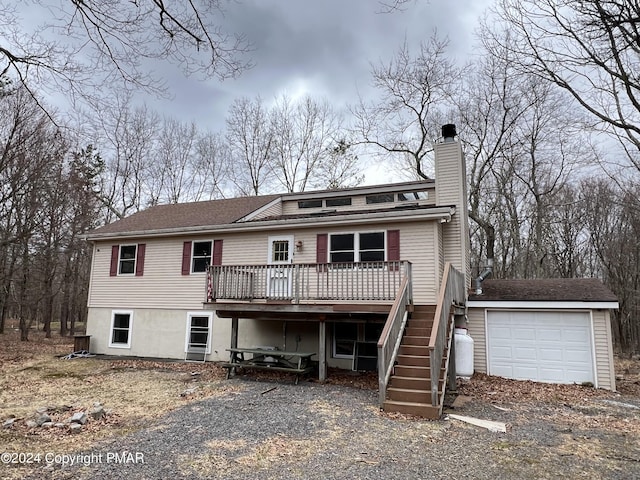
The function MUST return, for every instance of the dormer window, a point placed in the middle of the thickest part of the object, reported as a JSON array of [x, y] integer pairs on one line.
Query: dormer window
[[413, 196], [338, 202], [310, 204], [380, 198]]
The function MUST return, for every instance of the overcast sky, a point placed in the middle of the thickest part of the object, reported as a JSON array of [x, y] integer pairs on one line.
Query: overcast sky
[[322, 48]]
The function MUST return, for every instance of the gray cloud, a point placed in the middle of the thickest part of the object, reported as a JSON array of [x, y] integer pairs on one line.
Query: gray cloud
[[323, 48]]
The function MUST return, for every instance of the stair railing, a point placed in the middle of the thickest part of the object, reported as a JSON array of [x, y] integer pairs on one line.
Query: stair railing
[[452, 292], [391, 336]]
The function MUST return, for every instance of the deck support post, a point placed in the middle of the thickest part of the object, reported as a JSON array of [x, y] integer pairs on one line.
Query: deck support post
[[322, 351], [234, 332]]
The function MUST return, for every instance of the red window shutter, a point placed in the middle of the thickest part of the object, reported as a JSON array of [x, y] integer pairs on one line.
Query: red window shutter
[[140, 259], [186, 258], [217, 253], [322, 247], [393, 245], [115, 254]]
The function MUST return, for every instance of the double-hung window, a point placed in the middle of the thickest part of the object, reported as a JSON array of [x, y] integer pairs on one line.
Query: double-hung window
[[357, 247], [121, 323], [198, 342], [201, 257], [127, 259]]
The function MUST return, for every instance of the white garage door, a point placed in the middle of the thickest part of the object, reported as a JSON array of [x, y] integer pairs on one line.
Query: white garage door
[[542, 346]]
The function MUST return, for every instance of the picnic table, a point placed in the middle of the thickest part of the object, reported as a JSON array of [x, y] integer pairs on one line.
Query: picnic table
[[262, 359]]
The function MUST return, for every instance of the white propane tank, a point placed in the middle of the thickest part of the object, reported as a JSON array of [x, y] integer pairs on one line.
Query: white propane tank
[[464, 353]]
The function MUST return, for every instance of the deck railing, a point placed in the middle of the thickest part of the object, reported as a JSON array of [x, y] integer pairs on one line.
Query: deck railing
[[452, 292], [359, 281], [389, 342]]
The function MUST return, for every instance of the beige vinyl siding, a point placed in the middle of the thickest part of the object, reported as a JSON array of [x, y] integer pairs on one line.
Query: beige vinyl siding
[[604, 368], [450, 190], [164, 286], [161, 286], [476, 329], [603, 348], [272, 211], [417, 245], [441, 256]]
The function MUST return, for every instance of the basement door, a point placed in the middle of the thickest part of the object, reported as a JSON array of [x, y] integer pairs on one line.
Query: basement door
[[279, 272], [544, 346]]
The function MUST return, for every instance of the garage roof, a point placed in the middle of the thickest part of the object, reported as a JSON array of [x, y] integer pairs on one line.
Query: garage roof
[[545, 290]]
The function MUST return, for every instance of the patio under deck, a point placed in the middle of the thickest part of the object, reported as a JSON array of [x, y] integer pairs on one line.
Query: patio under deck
[[353, 292]]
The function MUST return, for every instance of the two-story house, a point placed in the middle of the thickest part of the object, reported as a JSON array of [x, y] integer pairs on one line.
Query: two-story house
[[368, 275]]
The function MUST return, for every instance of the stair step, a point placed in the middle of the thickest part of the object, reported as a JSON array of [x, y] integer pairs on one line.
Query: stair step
[[408, 395], [420, 323], [413, 360], [425, 410], [412, 331], [413, 350], [411, 383], [411, 340], [424, 309], [412, 371]]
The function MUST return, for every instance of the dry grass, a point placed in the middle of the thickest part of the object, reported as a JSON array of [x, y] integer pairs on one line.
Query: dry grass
[[135, 392], [132, 391]]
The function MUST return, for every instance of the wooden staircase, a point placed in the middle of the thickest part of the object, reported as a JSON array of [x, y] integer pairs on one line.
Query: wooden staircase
[[409, 389]]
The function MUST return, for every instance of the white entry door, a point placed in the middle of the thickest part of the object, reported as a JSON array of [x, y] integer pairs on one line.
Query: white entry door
[[543, 346], [279, 272]]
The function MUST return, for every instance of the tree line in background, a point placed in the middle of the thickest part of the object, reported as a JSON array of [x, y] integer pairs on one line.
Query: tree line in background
[[551, 138]]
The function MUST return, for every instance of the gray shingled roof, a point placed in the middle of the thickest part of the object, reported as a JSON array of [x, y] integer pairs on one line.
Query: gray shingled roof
[[184, 215], [549, 290]]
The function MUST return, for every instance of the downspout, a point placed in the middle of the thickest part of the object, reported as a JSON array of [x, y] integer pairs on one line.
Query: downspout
[[487, 271]]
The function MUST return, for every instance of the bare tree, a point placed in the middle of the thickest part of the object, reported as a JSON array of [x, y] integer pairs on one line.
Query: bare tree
[[303, 133], [86, 45], [30, 152], [414, 94], [210, 164], [590, 49], [173, 162], [339, 168], [127, 140], [613, 223], [250, 139]]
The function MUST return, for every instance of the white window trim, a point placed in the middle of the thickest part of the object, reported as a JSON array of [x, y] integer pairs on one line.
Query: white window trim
[[113, 317], [284, 238], [193, 256], [356, 244], [359, 335], [135, 259], [190, 315]]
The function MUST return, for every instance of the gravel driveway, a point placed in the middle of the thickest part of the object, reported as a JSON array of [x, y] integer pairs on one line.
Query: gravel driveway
[[312, 431]]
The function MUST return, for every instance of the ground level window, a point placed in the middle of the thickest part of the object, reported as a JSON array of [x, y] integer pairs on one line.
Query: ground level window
[[121, 323], [198, 336], [345, 336]]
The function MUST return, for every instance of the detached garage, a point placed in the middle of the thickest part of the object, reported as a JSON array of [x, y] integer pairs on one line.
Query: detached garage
[[547, 330]]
